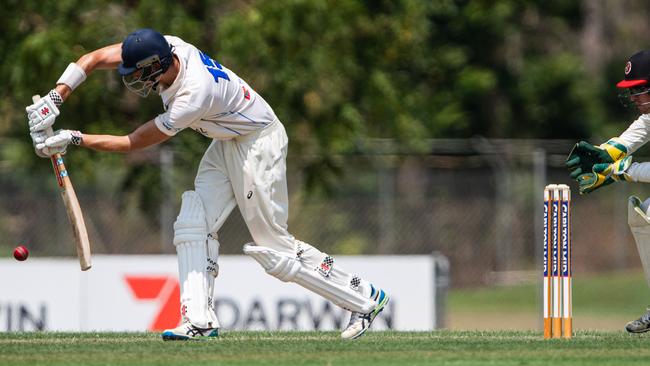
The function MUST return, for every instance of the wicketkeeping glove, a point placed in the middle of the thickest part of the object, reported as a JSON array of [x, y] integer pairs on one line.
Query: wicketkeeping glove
[[604, 174], [584, 156]]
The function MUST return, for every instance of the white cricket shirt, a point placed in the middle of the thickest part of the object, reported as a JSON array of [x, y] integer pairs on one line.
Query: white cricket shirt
[[635, 136], [209, 98]]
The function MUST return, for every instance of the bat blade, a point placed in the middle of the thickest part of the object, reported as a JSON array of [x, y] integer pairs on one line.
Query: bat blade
[[75, 216], [72, 207]]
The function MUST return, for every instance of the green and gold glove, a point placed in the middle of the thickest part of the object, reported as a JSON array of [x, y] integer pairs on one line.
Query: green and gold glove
[[584, 156], [604, 174]]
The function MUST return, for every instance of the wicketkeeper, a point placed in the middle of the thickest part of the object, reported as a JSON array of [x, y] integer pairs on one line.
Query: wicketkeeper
[[597, 166], [244, 166]]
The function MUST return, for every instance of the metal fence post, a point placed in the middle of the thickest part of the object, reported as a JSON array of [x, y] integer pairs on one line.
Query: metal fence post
[[539, 182], [166, 203], [441, 282]]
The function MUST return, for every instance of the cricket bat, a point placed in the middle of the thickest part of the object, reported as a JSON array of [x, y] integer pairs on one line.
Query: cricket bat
[[75, 216]]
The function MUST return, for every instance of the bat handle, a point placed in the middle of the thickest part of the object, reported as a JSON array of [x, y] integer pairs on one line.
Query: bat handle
[[57, 159], [48, 131]]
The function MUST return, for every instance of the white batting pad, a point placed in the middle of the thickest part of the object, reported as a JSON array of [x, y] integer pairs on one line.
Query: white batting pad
[[190, 224], [289, 269], [190, 238], [639, 222]]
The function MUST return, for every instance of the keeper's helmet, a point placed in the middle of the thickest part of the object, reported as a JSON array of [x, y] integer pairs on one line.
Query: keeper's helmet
[[637, 77], [146, 55]]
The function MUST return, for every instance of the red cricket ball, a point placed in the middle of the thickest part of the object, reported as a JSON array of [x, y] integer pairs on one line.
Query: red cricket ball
[[21, 253]]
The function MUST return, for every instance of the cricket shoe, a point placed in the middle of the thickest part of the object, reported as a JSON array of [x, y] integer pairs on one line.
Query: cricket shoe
[[640, 325], [187, 331], [359, 323]]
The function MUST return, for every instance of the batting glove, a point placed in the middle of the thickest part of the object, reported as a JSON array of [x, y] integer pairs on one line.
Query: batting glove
[[58, 143], [39, 137], [43, 113]]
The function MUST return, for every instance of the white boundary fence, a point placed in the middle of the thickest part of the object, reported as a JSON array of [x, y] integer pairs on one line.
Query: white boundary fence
[[139, 293]]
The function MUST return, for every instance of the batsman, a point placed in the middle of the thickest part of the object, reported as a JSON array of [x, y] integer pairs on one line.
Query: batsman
[[244, 166], [597, 166]]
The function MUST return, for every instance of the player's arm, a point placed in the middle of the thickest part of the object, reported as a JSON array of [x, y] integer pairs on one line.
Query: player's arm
[[42, 113], [106, 58], [144, 136], [584, 155]]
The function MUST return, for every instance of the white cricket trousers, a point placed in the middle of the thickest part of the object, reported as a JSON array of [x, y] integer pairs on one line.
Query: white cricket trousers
[[249, 172]]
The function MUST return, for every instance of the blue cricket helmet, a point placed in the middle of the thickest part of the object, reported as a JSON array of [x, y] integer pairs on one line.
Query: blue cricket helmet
[[146, 55], [141, 46]]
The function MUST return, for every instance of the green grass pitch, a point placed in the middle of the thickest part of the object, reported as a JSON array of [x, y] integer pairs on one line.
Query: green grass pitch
[[325, 348]]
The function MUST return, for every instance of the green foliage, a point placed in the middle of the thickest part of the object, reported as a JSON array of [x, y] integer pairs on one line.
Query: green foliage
[[336, 72]]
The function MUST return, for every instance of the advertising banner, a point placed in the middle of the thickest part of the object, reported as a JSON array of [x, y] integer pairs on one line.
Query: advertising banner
[[138, 293]]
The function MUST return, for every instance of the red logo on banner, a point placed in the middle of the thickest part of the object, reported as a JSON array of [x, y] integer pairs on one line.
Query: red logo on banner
[[162, 289]]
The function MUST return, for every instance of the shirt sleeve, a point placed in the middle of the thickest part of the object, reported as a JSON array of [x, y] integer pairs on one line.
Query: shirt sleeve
[[178, 117], [637, 134], [640, 172]]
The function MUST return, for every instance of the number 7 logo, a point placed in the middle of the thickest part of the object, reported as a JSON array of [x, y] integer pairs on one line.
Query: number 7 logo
[[164, 290]]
